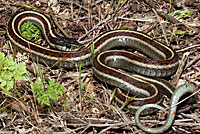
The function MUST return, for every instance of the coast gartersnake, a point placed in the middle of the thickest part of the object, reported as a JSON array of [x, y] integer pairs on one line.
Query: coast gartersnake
[[162, 61]]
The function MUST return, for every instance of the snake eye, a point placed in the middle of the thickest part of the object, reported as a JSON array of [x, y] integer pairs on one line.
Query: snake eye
[[65, 44]]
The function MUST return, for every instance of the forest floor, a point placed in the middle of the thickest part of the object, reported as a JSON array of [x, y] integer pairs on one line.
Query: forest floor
[[85, 106]]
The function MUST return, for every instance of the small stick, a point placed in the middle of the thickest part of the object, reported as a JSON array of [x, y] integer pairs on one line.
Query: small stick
[[57, 25], [96, 26], [180, 68], [164, 15], [193, 61], [164, 33], [187, 48]]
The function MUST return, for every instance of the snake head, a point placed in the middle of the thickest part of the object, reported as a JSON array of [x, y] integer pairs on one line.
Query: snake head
[[65, 44]]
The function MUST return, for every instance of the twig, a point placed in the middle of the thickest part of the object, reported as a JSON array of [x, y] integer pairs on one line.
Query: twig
[[192, 61], [71, 2], [150, 19], [187, 48], [164, 33], [84, 129], [122, 124], [190, 116], [180, 68], [96, 26], [170, 18], [186, 98], [57, 25], [183, 3]]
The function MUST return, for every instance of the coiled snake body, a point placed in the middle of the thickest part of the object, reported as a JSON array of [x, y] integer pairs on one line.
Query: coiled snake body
[[163, 60]]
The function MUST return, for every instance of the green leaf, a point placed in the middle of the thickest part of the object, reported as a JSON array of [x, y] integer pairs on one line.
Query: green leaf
[[7, 76], [2, 57], [10, 85], [20, 71], [5, 90], [61, 90], [38, 84], [51, 92], [39, 72], [26, 35], [21, 67], [129, 100], [3, 83], [182, 13], [190, 12], [53, 95], [113, 95], [28, 6], [8, 62], [2, 31], [92, 50], [10, 72], [180, 32], [11, 68], [90, 97], [30, 31]]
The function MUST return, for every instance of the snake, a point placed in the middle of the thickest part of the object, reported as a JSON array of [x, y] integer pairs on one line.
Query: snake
[[155, 59]]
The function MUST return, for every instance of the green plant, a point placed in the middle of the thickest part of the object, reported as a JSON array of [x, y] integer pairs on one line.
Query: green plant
[[46, 92], [113, 95], [182, 13], [180, 32], [10, 71], [92, 50], [30, 31]]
